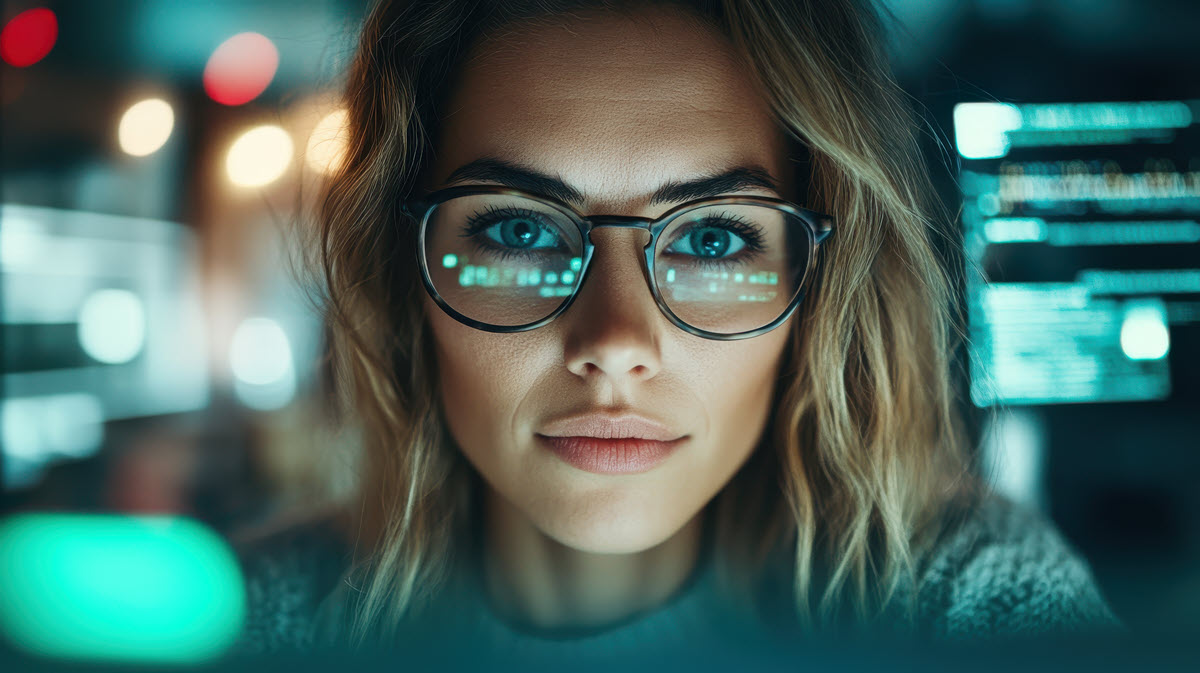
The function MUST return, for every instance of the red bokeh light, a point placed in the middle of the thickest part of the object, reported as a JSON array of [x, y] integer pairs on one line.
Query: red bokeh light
[[240, 69], [28, 37]]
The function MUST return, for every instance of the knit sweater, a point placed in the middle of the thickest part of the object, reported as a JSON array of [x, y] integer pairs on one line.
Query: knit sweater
[[1003, 571]]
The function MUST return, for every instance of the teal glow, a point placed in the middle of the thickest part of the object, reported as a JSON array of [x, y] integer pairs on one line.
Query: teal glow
[[1053, 343], [551, 278], [450, 261], [1141, 232], [989, 130], [670, 275], [576, 264], [1105, 116], [1015, 230], [568, 277], [560, 291], [981, 129], [114, 588], [1168, 281]]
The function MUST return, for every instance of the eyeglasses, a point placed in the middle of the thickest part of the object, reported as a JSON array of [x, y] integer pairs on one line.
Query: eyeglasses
[[503, 260]]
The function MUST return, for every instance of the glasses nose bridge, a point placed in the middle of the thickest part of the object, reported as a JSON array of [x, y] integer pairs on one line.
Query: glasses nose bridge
[[618, 222]]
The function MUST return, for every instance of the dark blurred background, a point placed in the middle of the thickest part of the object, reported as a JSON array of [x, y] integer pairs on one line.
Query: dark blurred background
[[159, 355]]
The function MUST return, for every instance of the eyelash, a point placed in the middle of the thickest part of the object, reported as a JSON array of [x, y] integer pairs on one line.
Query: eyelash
[[749, 233], [477, 223]]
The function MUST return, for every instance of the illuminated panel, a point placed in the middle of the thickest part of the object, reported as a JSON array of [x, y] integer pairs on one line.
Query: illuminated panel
[[101, 321], [990, 130], [1050, 342], [1084, 219]]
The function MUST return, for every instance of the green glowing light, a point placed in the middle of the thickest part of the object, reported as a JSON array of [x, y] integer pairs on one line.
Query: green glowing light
[[670, 275], [576, 264], [568, 277], [450, 261], [551, 278], [103, 587]]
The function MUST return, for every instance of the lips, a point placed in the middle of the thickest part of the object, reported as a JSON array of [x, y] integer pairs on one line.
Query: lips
[[610, 443], [610, 456]]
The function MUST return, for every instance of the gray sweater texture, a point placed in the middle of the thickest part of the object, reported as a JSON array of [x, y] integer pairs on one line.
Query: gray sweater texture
[[1003, 571]]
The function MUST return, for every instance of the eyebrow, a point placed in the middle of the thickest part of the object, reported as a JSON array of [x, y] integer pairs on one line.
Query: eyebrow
[[527, 179]]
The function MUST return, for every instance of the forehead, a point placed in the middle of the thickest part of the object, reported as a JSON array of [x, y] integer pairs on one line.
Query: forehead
[[615, 105]]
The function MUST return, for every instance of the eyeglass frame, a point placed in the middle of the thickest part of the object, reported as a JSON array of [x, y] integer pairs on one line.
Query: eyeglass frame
[[819, 226]]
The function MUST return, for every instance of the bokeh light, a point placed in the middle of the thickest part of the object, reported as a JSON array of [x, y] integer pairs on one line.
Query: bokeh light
[[28, 37], [103, 587], [327, 143], [240, 69], [1144, 334], [260, 353], [261, 359], [259, 156], [145, 127], [112, 325]]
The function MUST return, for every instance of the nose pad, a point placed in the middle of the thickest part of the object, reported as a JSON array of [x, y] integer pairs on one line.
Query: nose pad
[[620, 242], [615, 327]]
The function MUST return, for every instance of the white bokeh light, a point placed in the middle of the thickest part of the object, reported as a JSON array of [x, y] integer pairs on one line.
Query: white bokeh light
[[327, 143], [112, 325], [261, 359], [1144, 334], [981, 129], [260, 353], [259, 156], [145, 127]]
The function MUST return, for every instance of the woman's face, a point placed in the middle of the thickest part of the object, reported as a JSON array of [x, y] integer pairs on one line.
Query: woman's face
[[614, 107]]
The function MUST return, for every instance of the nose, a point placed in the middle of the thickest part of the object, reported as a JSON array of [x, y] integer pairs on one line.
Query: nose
[[614, 328]]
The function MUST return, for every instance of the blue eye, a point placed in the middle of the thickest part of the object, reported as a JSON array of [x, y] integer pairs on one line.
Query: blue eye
[[514, 230], [710, 242], [523, 233]]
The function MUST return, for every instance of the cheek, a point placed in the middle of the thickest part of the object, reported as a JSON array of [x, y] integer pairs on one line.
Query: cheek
[[484, 378], [737, 392]]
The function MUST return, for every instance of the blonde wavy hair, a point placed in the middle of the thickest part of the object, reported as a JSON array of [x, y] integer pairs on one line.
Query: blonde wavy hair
[[866, 455]]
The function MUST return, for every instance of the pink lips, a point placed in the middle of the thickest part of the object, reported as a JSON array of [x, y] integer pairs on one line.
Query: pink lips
[[606, 444]]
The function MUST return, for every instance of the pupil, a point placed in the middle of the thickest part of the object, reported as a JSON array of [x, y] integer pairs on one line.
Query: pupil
[[710, 242], [518, 233]]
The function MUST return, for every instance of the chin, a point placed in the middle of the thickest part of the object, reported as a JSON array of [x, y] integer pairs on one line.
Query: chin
[[626, 527]]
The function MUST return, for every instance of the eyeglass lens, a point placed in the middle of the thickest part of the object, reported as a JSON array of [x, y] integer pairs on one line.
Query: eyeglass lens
[[507, 261]]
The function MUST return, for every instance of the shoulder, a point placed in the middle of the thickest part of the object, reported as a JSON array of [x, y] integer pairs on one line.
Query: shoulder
[[1003, 569], [289, 566]]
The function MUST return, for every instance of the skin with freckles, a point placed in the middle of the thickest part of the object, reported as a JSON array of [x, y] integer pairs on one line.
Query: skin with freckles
[[615, 106]]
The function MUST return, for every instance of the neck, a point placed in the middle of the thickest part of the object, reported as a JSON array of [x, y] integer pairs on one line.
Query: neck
[[537, 580]]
